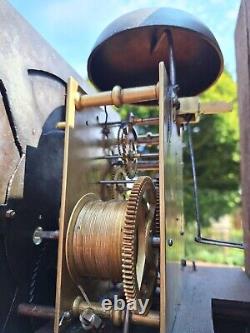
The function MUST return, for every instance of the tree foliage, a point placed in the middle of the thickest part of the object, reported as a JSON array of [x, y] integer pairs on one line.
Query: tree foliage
[[216, 146]]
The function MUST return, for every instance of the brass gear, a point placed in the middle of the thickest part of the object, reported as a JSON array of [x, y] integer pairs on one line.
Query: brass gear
[[139, 258], [119, 191], [111, 240], [127, 148]]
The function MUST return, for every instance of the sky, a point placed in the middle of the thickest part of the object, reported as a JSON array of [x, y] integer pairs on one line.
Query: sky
[[72, 26]]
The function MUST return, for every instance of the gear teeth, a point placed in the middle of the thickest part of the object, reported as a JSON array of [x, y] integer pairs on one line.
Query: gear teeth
[[129, 253], [130, 165], [118, 173], [157, 210]]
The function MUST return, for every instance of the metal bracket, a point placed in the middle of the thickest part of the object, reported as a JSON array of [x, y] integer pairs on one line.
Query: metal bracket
[[191, 109], [72, 94]]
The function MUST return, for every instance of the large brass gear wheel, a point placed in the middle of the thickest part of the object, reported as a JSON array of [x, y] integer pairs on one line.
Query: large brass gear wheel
[[139, 260], [112, 241]]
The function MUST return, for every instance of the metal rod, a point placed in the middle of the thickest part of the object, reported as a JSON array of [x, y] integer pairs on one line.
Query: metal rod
[[49, 234], [145, 155], [134, 121], [39, 235], [148, 139], [199, 238], [37, 311], [111, 123], [145, 121], [106, 157], [151, 319], [118, 96], [148, 155], [148, 166], [40, 311], [142, 139], [215, 242], [121, 181], [126, 321], [195, 187], [172, 73]]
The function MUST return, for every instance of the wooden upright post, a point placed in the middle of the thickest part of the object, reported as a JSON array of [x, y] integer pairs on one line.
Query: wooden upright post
[[242, 41]]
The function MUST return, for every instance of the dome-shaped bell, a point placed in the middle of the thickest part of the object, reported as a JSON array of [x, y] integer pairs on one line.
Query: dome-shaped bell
[[128, 51]]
